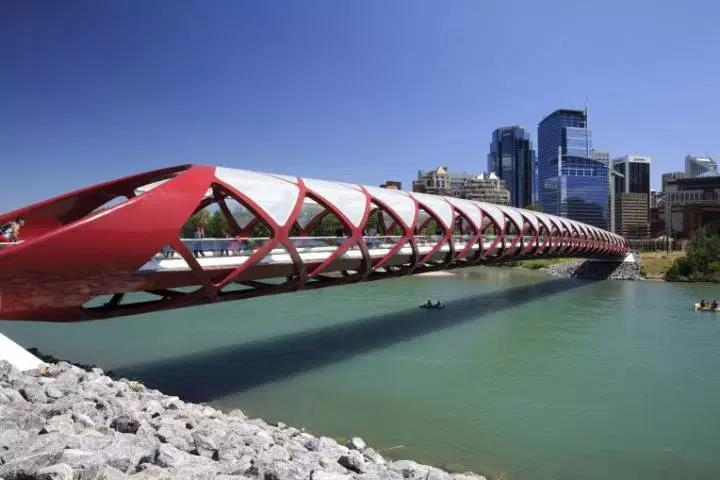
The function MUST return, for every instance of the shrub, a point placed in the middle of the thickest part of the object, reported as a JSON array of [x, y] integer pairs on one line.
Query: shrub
[[702, 262]]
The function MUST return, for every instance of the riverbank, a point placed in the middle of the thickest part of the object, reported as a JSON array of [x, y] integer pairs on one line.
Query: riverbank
[[654, 265], [629, 269], [583, 268], [61, 422]]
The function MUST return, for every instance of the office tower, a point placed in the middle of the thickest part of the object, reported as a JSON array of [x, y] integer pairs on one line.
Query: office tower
[[636, 172], [600, 156], [696, 166], [631, 196], [572, 182], [512, 158], [632, 215]]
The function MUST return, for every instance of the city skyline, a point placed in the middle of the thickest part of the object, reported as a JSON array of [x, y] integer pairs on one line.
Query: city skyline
[[95, 91]]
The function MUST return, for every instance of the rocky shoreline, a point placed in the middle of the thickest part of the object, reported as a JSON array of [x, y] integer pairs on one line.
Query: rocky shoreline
[[62, 422], [595, 270]]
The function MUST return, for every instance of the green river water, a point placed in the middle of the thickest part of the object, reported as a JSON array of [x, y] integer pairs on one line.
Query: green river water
[[520, 377]]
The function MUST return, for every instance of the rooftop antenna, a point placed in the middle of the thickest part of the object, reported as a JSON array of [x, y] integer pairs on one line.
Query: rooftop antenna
[[587, 127]]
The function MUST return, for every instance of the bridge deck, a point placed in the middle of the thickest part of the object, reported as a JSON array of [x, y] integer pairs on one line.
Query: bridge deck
[[221, 254]]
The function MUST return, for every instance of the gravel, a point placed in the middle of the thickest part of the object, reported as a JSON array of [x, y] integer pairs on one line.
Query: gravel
[[62, 422]]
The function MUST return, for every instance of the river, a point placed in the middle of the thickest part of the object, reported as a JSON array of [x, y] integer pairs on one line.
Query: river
[[520, 377]]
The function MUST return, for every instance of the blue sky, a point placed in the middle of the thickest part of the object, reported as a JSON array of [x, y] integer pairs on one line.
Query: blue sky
[[360, 91]]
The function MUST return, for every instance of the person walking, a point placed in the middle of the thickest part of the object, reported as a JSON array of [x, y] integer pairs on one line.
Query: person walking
[[199, 235], [10, 232]]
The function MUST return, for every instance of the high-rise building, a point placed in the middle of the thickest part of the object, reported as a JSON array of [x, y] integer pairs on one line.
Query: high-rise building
[[481, 187], [636, 174], [696, 166], [392, 185], [632, 218], [512, 158], [631, 205], [486, 188], [670, 177], [572, 181]]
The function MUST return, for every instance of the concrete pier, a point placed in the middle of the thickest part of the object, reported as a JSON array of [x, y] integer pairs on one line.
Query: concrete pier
[[17, 355]]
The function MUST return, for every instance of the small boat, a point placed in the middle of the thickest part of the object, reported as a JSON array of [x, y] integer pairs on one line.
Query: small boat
[[432, 307], [705, 309]]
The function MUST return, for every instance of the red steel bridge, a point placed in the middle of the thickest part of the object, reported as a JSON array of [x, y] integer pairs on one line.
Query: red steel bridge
[[117, 249]]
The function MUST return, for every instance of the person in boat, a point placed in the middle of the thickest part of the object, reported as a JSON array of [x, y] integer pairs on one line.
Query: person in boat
[[10, 232], [438, 304], [714, 304], [702, 303], [428, 303]]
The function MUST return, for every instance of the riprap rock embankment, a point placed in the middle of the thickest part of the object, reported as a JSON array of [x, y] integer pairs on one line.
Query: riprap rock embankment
[[597, 270], [62, 423]]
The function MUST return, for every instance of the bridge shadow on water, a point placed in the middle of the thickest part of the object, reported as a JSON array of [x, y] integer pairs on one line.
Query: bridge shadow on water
[[216, 373]]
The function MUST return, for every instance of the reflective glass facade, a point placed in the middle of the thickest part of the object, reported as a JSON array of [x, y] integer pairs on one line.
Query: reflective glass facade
[[577, 186], [512, 158], [640, 178], [632, 196], [635, 171], [619, 181]]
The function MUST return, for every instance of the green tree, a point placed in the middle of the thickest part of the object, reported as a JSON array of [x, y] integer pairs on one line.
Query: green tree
[[217, 225], [199, 218], [329, 226], [532, 206], [702, 261], [260, 231], [432, 228]]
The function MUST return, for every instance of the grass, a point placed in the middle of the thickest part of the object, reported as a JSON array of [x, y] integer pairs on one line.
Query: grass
[[655, 264]]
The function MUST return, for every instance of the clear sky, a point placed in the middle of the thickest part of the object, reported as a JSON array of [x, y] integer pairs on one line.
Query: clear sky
[[360, 91]]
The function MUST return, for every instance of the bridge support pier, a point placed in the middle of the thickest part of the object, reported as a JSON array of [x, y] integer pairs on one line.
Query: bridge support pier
[[628, 258], [17, 356]]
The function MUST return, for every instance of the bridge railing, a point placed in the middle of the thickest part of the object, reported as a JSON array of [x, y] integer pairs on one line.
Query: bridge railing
[[377, 245], [243, 247]]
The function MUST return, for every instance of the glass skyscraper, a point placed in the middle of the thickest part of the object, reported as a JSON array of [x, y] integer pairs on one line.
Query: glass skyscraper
[[630, 207], [572, 182], [635, 171], [512, 158]]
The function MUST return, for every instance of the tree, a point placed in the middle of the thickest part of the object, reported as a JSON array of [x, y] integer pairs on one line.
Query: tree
[[217, 225], [532, 206], [260, 231], [702, 261], [199, 218], [330, 226]]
